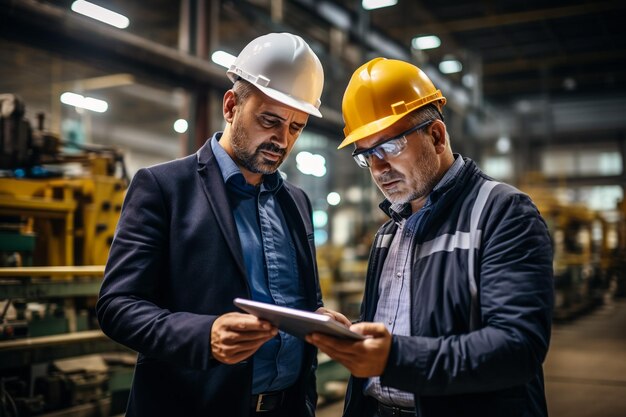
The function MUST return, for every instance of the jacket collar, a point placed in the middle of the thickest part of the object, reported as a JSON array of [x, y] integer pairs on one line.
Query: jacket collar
[[459, 173]]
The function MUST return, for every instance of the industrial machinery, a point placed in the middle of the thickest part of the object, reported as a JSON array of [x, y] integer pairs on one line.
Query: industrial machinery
[[583, 255], [59, 206], [55, 208]]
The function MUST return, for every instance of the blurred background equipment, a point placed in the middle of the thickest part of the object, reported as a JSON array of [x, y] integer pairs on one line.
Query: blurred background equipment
[[72, 200], [58, 208]]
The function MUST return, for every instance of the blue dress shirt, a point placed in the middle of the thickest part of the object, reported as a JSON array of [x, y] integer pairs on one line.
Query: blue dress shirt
[[270, 260]]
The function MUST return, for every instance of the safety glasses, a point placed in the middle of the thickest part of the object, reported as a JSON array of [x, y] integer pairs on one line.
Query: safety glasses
[[389, 148]]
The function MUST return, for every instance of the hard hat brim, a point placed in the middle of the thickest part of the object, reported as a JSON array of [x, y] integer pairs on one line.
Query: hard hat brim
[[370, 129], [290, 101], [379, 125]]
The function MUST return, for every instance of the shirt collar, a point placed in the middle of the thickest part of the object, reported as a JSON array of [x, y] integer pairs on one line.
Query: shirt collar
[[454, 169], [232, 174]]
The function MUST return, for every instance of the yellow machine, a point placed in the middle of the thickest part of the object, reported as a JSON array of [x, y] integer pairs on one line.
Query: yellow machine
[[582, 254], [72, 219], [57, 208]]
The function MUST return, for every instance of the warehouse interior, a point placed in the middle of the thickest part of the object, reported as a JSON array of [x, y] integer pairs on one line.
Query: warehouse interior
[[536, 95]]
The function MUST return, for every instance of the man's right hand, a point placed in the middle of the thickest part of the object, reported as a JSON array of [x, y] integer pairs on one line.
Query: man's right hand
[[236, 336]]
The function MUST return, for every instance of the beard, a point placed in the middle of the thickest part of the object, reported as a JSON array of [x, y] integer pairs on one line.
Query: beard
[[253, 160], [421, 181]]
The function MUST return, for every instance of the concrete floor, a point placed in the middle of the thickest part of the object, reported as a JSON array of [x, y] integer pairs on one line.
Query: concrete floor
[[585, 371]]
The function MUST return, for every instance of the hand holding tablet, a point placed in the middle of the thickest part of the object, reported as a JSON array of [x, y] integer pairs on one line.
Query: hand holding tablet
[[296, 322]]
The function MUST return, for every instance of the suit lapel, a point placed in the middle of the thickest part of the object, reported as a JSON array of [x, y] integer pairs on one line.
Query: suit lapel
[[215, 191]]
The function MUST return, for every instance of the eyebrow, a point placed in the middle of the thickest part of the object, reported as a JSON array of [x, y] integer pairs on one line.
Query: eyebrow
[[267, 113]]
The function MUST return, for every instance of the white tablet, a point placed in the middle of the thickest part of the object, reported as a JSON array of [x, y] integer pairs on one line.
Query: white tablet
[[296, 322]]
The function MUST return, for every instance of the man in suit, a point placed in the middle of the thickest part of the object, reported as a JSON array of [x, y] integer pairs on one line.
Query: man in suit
[[197, 232]]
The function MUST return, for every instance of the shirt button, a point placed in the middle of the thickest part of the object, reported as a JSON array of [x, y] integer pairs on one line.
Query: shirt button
[[399, 274]]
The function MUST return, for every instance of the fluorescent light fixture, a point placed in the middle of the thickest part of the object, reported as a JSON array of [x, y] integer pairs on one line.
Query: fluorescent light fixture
[[333, 198], [426, 42], [100, 13], [88, 103], [311, 164], [180, 126], [450, 66], [223, 58], [377, 4]]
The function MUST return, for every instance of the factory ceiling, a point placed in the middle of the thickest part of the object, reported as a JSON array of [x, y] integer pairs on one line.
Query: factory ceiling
[[558, 48], [514, 50], [524, 47]]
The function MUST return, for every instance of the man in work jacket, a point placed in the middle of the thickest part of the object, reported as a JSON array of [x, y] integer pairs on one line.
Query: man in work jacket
[[459, 289]]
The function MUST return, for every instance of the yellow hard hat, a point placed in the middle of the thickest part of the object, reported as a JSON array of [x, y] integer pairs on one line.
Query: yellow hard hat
[[381, 92]]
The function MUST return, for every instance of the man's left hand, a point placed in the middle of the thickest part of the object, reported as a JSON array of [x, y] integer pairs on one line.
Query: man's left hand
[[363, 358]]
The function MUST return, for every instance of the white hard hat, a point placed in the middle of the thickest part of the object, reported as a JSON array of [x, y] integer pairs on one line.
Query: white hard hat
[[283, 67]]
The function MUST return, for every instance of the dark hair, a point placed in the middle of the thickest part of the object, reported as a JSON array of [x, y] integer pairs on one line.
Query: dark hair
[[428, 112], [242, 89]]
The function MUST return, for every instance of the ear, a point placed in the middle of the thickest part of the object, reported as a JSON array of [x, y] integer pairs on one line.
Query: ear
[[228, 106], [438, 132]]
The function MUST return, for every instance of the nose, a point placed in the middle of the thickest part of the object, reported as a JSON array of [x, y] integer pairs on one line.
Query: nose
[[281, 136]]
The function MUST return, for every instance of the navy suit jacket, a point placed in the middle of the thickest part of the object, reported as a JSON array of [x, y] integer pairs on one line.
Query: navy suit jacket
[[175, 265]]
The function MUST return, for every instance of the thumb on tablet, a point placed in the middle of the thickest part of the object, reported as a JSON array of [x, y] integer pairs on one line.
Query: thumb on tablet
[[370, 329]]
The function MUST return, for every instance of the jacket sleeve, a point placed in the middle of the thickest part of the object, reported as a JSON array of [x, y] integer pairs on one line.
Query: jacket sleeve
[[128, 308], [516, 300]]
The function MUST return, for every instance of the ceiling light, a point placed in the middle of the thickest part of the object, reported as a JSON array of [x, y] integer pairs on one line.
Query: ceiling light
[[377, 4], [88, 103], [180, 126], [426, 42], [100, 13], [223, 58], [333, 198], [450, 66], [311, 164]]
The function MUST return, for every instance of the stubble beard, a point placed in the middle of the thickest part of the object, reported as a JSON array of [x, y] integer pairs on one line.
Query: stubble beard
[[254, 161], [423, 180]]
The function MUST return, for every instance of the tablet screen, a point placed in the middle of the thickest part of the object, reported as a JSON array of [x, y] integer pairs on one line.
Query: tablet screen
[[296, 322]]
